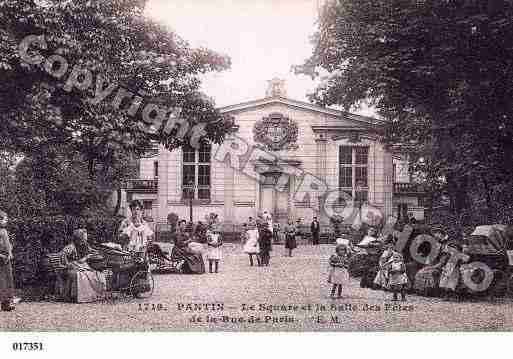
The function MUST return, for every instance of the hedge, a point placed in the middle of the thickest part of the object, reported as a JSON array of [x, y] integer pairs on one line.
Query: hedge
[[34, 237]]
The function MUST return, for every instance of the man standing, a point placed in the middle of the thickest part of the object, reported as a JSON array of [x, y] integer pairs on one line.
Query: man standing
[[269, 220], [314, 228]]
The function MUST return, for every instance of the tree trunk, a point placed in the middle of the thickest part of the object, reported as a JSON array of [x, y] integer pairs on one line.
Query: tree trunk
[[90, 167], [118, 201], [489, 202], [457, 187]]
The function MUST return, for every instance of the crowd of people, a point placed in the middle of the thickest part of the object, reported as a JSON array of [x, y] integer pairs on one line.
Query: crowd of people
[[193, 246]]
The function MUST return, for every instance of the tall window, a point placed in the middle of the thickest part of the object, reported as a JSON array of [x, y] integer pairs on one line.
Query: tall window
[[148, 206], [353, 176], [155, 169], [196, 172]]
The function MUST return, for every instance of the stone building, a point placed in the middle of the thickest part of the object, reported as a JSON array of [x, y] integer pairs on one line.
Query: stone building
[[277, 143]]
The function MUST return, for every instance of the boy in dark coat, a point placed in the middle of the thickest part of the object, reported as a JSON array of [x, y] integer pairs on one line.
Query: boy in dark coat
[[265, 242]]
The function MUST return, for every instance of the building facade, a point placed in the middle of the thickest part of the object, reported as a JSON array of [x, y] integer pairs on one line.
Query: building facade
[[277, 143]]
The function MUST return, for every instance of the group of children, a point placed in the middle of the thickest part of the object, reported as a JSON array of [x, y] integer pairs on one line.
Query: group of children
[[257, 238], [391, 274]]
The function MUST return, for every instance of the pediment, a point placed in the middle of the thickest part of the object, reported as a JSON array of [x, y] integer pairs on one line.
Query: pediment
[[332, 117]]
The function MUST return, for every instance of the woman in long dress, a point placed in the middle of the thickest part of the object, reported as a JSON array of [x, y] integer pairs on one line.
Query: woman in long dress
[[80, 283], [381, 279], [134, 232], [427, 279], [191, 261], [450, 276], [6, 275], [290, 237]]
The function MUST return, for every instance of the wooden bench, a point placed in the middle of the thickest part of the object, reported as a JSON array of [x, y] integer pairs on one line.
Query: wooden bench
[[51, 265]]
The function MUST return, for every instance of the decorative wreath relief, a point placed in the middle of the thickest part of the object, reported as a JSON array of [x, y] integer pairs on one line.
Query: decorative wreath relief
[[276, 133]]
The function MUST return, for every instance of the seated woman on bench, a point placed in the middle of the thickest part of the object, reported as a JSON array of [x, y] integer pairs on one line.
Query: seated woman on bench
[[79, 283]]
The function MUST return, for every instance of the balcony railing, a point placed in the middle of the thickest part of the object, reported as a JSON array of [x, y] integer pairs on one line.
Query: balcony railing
[[142, 185], [408, 188]]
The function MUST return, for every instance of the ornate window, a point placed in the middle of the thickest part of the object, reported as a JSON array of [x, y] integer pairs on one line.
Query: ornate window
[[353, 173], [196, 172]]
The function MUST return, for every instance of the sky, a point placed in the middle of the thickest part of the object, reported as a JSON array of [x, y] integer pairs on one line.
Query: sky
[[264, 39]]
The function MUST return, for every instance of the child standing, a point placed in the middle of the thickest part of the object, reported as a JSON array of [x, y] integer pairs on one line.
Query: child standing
[[6, 276], [338, 273], [214, 243], [397, 278], [251, 246]]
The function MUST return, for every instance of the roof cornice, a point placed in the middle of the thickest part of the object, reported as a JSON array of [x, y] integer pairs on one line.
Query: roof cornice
[[302, 105]]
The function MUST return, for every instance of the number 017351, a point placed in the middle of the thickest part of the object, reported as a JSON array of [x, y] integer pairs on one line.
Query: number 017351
[[27, 346]]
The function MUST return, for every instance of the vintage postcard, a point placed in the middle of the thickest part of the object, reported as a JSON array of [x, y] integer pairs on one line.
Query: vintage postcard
[[255, 166]]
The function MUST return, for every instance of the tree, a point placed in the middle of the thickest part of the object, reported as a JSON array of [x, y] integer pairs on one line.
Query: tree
[[440, 71], [112, 51], [58, 183], [102, 64]]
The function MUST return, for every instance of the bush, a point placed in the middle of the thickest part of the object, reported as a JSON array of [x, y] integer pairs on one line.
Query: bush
[[34, 237]]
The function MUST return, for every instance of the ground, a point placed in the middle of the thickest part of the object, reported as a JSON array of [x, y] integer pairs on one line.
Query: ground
[[298, 283]]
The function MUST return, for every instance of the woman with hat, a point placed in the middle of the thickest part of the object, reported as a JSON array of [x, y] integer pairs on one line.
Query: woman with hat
[[427, 279], [290, 237], [381, 279], [450, 276], [80, 283]]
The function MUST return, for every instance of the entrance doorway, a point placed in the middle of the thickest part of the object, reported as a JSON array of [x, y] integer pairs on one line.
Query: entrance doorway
[[275, 200]]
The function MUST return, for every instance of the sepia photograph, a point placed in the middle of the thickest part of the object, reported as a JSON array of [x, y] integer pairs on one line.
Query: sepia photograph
[[255, 166]]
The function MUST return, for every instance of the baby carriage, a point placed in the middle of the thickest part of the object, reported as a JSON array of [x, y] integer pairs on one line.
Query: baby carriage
[[489, 244], [159, 254], [128, 272]]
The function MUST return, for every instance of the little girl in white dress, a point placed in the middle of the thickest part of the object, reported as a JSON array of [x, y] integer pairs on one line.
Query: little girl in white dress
[[214, 253]]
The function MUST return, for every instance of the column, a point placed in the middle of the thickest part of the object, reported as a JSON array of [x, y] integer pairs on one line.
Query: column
[[321, 167], [162, 191], [388, 184], [229, 192], [321, 153]]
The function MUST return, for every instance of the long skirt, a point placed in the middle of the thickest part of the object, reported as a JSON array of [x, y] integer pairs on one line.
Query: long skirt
[[381, 279], [6, 282], [290, 242], [450, 277], [83, 284], [397, 281], [193, 263], [367, 280], [251, 246], [426, 280]]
